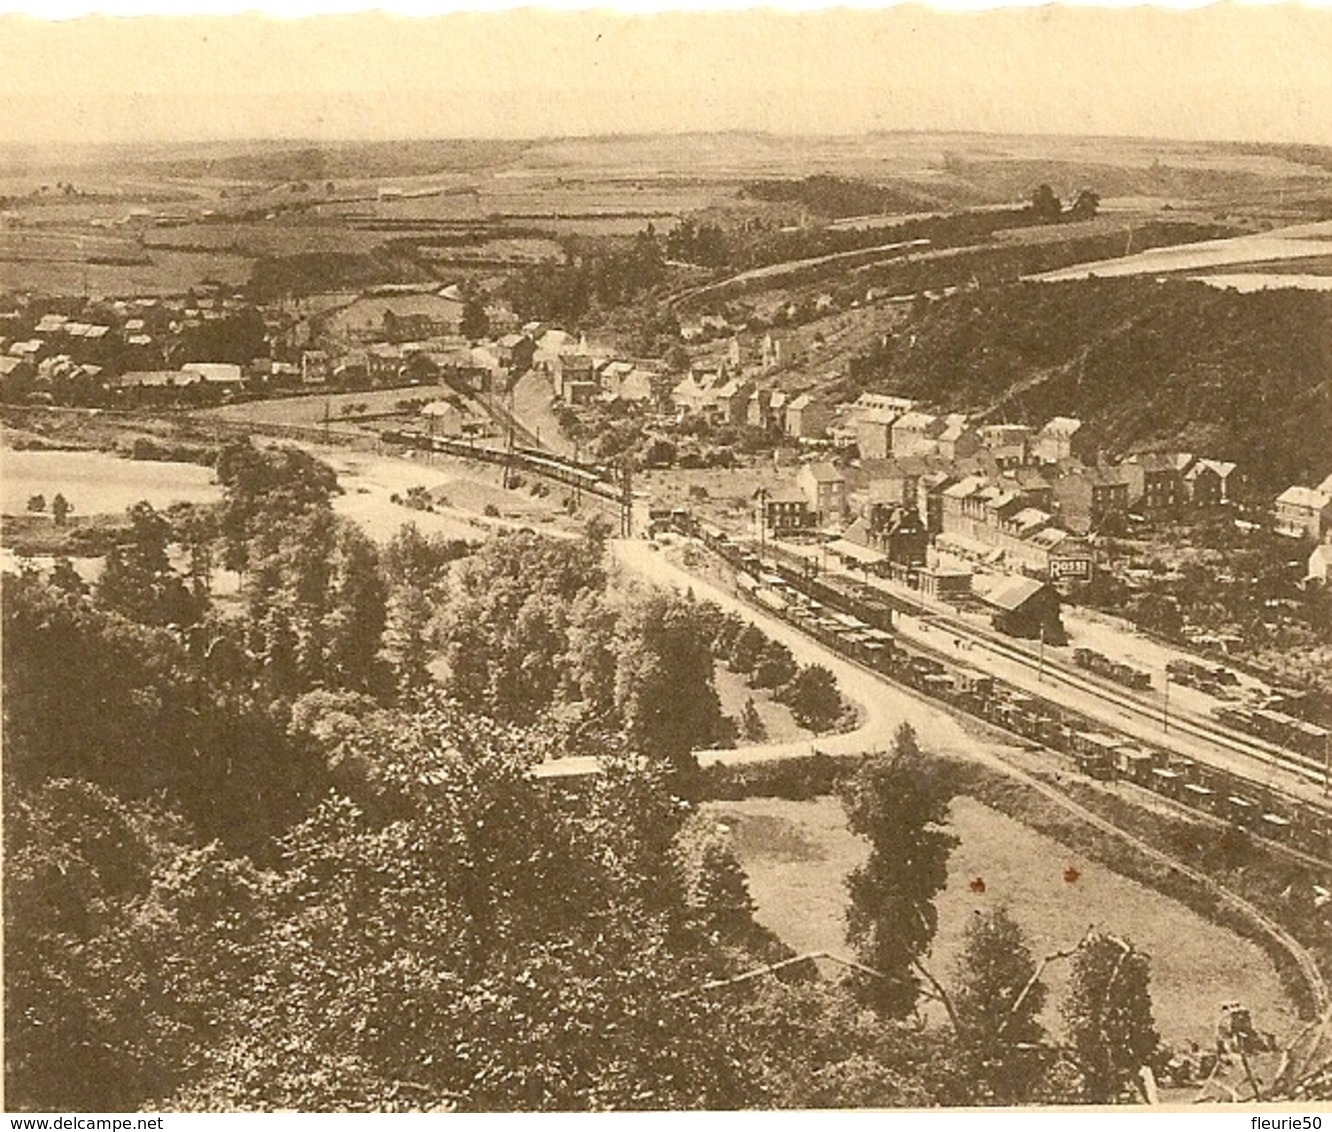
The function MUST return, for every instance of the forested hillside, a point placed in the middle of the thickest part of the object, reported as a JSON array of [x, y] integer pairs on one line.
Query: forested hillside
[[1145, 363]]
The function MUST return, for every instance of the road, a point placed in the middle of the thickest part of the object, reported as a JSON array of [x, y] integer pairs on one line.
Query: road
[[883, 707]]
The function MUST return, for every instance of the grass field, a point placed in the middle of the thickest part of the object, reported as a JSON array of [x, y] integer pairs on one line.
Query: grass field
[[97, 483], [57, 262], [797, 855]]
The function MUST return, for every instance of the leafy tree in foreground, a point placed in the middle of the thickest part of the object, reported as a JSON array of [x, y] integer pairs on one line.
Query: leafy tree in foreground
[[997, 1001], [899, 803], [664, 681], [813, 698], [1108, 1014]]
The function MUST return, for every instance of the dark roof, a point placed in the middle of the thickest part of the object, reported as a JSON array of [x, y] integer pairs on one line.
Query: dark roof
[[1013, 593]]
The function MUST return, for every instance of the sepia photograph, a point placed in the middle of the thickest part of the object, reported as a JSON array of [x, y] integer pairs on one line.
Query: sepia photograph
[[730, 561]]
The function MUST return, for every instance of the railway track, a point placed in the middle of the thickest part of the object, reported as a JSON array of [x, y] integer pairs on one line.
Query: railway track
[[1182, 720], [1306, 768]]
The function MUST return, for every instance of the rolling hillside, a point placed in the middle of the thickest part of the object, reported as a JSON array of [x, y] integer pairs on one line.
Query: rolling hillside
[[1180, 364]]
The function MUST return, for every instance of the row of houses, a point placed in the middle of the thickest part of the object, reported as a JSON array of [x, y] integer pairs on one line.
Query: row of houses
[[1035, 519], [725, 399]]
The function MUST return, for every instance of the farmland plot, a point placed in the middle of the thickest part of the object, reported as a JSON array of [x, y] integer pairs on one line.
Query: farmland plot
[[797, 855]]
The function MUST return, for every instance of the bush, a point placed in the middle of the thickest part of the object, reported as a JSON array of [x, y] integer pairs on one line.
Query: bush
[[796, 780]]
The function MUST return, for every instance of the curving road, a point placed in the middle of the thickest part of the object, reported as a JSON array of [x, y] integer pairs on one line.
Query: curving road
[[884, 708]]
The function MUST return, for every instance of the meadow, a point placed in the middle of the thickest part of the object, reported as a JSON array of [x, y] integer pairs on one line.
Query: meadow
[[798, 854]]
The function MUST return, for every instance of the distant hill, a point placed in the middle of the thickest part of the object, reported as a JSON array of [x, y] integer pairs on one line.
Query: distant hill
[[1146, 364], [341, 160]]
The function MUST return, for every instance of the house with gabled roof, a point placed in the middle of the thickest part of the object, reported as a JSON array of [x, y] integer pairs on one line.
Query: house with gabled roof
[[824, 487], [1303, 512], [915, 433], [807, 417], [1061, 438]]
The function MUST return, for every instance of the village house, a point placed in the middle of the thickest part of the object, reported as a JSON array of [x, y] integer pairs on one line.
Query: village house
[[930, 495], [1022, 607], [1156, 487], [807, 417], [443, 418], [315, 367], [767, 410], [575, 378], [896, 531], [957, 441], [352, 370], [782, 511], [730, 403], [223, 375], [1030, 485], [516, 352], [1008, 444], [693, 394], [1303, 512], [1061, 439], [824, 488], [624, 381], [1086, 497], [16, 376], [915, 433], [384, 362], [874, 432], [1320, 563], [1208, 483], [781, 350]]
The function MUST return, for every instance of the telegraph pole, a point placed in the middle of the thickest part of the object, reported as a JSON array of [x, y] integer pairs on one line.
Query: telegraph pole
[[1165, 704], [763, 521], [627, 499]]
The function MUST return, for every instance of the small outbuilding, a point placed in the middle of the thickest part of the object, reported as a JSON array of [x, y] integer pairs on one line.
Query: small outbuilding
[[1023, 607]]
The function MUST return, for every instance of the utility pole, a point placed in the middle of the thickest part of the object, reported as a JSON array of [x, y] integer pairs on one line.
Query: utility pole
[[763, 522], [1040, 662], [1165, 704], [627, 499]]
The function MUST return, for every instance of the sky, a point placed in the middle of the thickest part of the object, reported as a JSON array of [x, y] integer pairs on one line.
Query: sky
[[1242, 73]]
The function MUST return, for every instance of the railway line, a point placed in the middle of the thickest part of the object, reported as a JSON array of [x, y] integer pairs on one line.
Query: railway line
[[862, 628], [1149, 715], [1182, 720], [596, 480]]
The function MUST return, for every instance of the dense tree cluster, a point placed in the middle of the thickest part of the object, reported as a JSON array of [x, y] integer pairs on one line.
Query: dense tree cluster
[[600, 277]]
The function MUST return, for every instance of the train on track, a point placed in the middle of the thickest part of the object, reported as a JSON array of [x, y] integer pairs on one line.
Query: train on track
[[1115, 670], [861, 629], [595, 479]]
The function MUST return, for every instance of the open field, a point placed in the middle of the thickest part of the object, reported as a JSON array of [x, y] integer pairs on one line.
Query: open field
[[76, 262], [97, 483], [797, 855], [1302, 244]]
